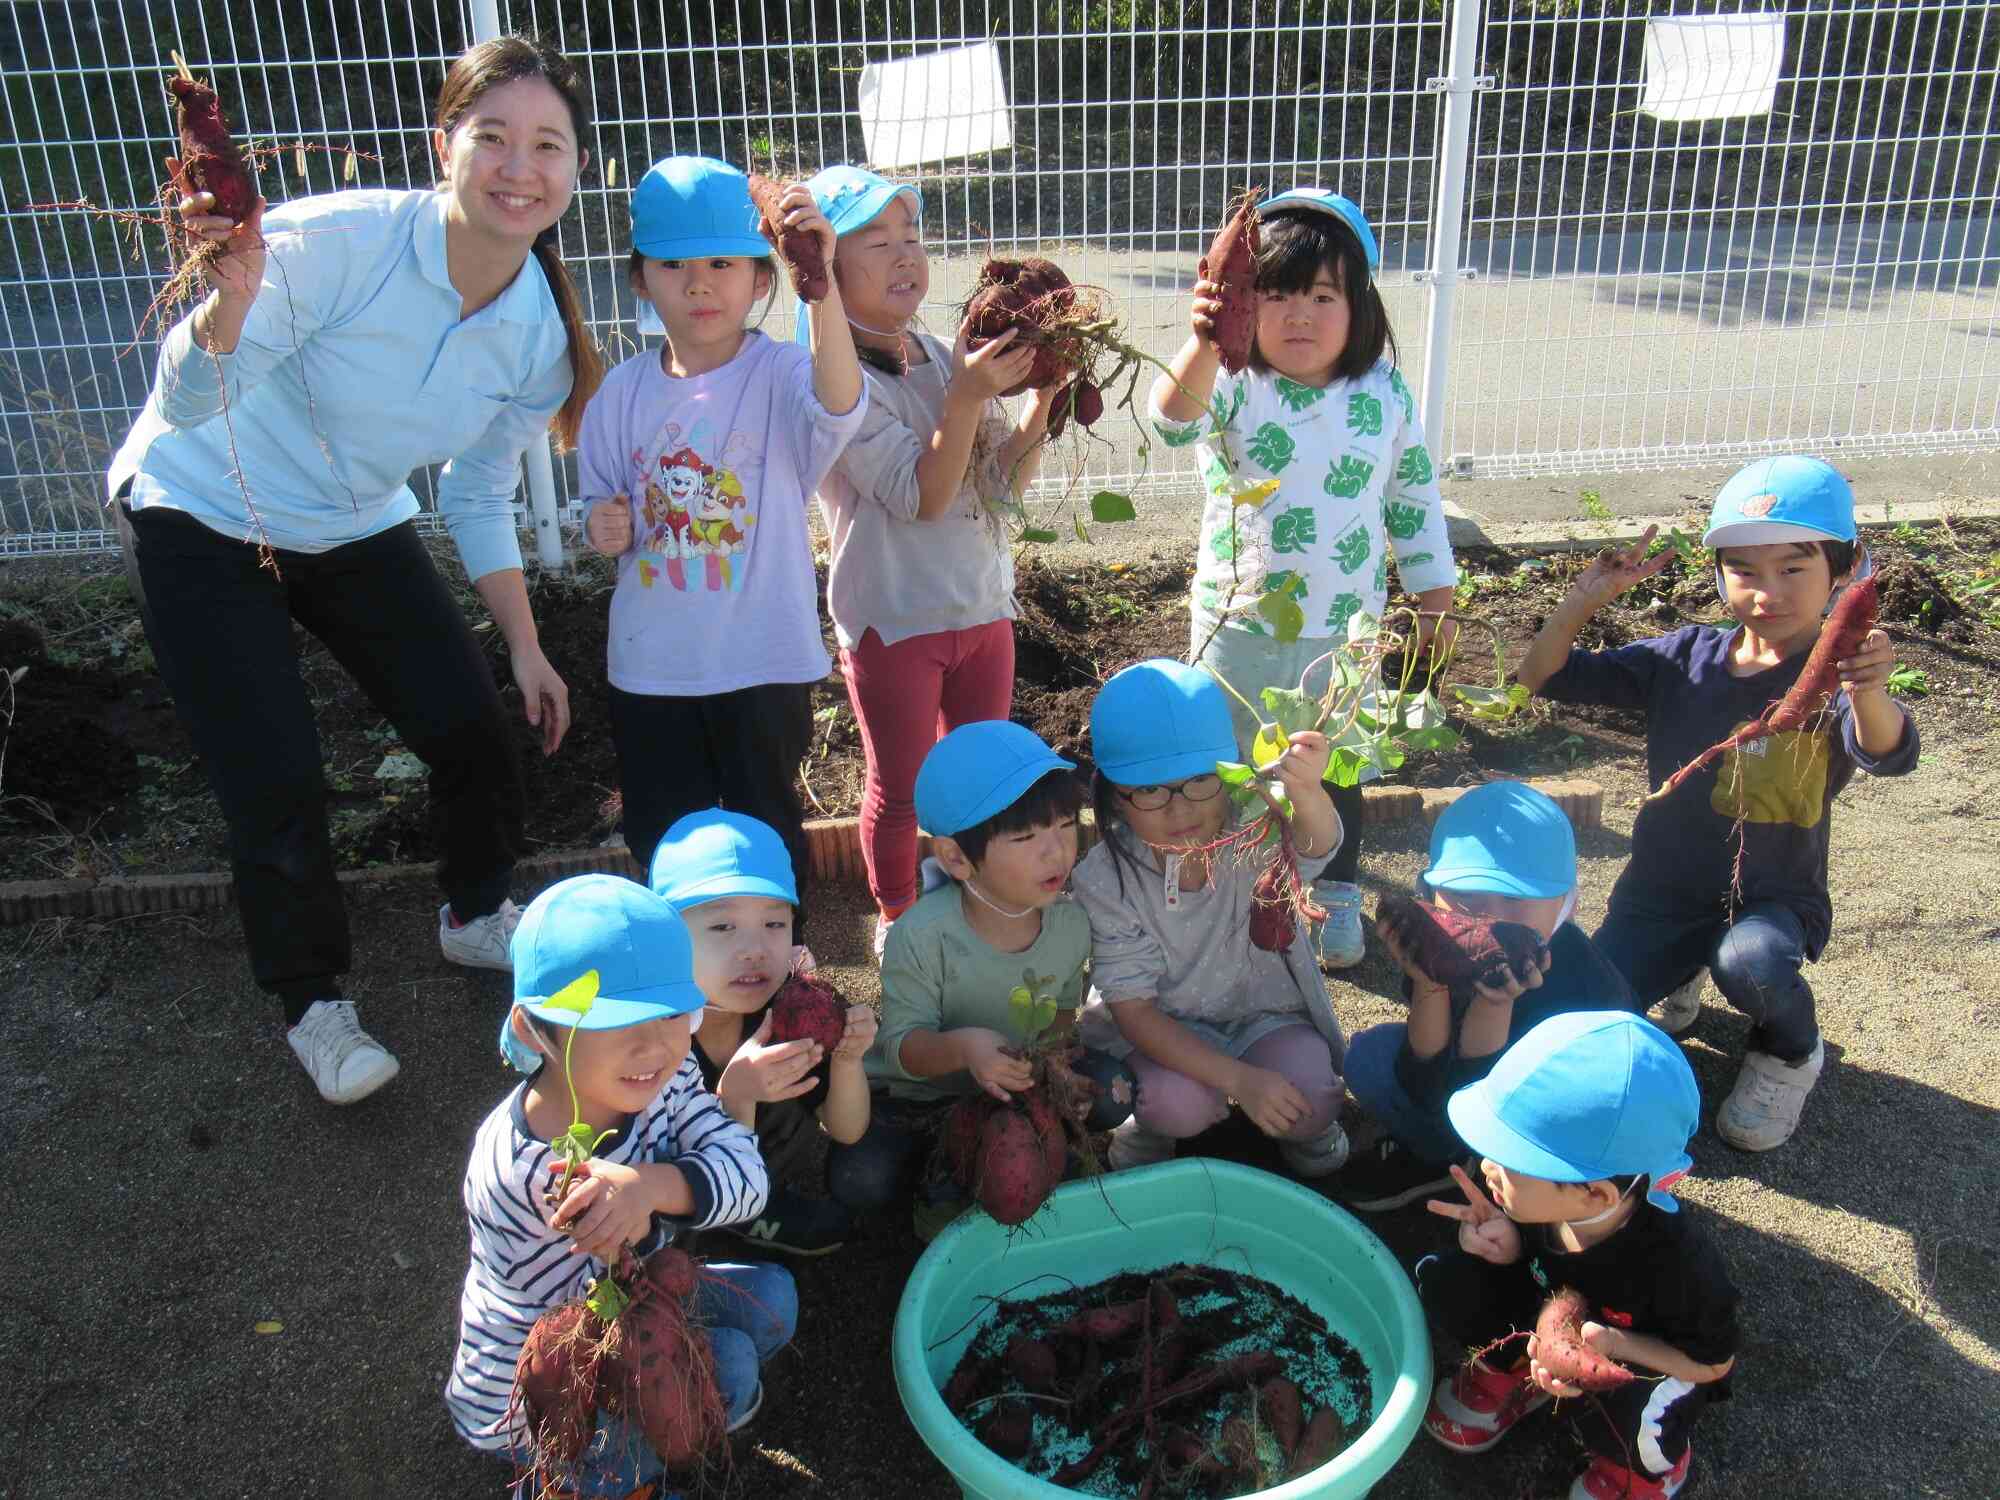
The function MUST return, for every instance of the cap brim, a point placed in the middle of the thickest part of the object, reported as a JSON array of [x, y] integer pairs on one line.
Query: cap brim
[[1003, 794], [1493, 883], [718, 887], [863, 209], [1178, 765], [1763, 534], [1362, 231], [1480, 1128], [702, 246], [657, 1002]]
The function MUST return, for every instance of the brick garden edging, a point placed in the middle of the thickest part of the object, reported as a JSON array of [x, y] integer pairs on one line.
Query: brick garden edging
[[834, 844]]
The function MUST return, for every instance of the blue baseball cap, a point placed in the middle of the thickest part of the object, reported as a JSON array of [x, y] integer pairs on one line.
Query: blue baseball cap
[[979, 771], [711, 854], [1790, 498], [1159, 721], [689, 207], [851, 197], [603, 953], [1504, 838], [1586, 1095], [1321, 200]]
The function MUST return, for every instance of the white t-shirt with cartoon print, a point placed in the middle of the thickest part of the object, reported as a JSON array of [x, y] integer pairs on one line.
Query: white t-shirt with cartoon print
[[1355, 483], [716, 592]]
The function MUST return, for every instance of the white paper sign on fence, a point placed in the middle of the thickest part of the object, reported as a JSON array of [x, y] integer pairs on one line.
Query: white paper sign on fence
[[936, 106], [1713, 67]]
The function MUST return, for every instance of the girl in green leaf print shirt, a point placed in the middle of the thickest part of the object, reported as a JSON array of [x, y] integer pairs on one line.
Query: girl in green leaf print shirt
[[1319, 438]]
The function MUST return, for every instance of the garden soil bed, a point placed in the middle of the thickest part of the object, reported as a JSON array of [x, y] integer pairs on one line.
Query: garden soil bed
[[100, 778]]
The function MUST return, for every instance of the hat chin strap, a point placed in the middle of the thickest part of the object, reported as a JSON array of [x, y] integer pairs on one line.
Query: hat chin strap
[[880, 333], [986, 900]]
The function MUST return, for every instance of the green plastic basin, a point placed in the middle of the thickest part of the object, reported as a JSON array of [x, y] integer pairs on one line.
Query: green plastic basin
[[1201, 1211]]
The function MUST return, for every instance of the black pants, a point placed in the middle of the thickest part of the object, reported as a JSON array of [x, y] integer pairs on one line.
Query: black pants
[[221, 628], [737, 750], [1346, 861], [1644, 1424]]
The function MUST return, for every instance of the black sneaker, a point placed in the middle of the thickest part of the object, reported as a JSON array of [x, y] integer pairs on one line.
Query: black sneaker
[[797, 1225], [1387, 1176]]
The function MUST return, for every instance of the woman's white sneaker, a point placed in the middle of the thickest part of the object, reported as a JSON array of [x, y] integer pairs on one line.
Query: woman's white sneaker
[[482, 943], [345, 1063]]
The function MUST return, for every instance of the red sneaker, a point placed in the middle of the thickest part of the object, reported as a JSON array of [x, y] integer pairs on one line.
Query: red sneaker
[[1606, 1479], [1474, 1407]]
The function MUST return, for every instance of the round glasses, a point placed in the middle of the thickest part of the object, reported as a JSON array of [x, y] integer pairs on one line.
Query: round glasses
[[1153, 798]]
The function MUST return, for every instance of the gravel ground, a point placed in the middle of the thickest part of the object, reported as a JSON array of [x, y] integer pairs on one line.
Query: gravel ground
[[177, 1183]]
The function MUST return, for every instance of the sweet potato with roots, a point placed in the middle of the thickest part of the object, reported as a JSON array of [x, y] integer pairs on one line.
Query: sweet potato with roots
[[556, 1384], [1282, 1412], [210, 160], [1034, 298], [1008, 1429], [808, 1008], [1012, 1178], [1320, 1443], [660, 1373], [1853, 616], [1559, 1347], [1458, 950], [1033, 1363], [800, 251], [1231, 263]]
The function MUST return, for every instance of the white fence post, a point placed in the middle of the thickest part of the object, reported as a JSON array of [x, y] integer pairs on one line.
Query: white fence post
[[540, 467], [1448, 206]]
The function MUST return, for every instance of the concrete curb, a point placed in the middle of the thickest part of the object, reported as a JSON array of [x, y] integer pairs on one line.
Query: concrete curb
[[1468, 529], [834, 852]]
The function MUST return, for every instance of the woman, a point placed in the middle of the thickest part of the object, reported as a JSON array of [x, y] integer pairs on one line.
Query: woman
[[346, 341]]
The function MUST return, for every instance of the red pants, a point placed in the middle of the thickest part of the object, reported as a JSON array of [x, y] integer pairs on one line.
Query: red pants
[[905, 698]]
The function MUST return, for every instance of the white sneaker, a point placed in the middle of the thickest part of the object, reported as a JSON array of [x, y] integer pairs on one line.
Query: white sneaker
[[1682, 1007], [345, 1062], [1763, 1109], [1339, 939], [1134, 1146], [483, 942], [1321, 1157], [882, 926]]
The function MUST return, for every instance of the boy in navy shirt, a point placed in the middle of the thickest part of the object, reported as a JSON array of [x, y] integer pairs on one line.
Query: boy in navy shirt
[[1729, 872]]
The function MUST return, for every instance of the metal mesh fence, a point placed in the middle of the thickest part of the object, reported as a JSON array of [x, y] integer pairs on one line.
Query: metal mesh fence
[[1640, 293]]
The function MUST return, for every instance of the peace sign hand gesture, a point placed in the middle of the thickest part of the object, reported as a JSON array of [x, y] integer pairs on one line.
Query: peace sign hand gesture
[[1483, 1230], [1617, 569]]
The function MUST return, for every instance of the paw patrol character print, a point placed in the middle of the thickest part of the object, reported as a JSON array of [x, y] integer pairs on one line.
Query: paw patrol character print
[[718, 528]]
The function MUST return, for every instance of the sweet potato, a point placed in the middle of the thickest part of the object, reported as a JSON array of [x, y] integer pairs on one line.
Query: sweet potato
[[1231, 263], [1008, 1429], [1853, 616], [1280, 1410], [660, 1374], [555, 1384], [210, 161], [1012, 1179], [1272, 923], [1048, 1125], [800, 251], [1119, 1320], [1559, 1347], [959, 1140], [1032, 296], [1457, 950], [1031, 1362], [807, 1007], [1324, 1437]]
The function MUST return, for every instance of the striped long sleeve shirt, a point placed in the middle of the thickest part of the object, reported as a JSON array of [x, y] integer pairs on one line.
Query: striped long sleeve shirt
[[521, 1267]]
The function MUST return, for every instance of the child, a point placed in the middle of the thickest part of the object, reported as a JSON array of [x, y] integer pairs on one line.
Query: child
[[921, 584], [1507, 852], [1204, 1016], [1729, 873], [1583, 1124], [675, 1161], [1324, 412], [696, 462], [731, 880], [1001, 807]]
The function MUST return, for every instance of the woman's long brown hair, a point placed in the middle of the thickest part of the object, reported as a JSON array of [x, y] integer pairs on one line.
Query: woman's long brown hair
[[490, 64]]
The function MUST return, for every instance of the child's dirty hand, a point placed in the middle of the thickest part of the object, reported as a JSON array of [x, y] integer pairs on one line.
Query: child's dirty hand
[[1271, 1100], [1303, 765], [1399, 953], [992, 1067], [1517, 983], [1483, 1230], [608, 527], [605, 1210], [761, 1073], [998, 365], [1867, 670], [802, 213], [1203, 311], [1617, 569], [862, 1024]]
